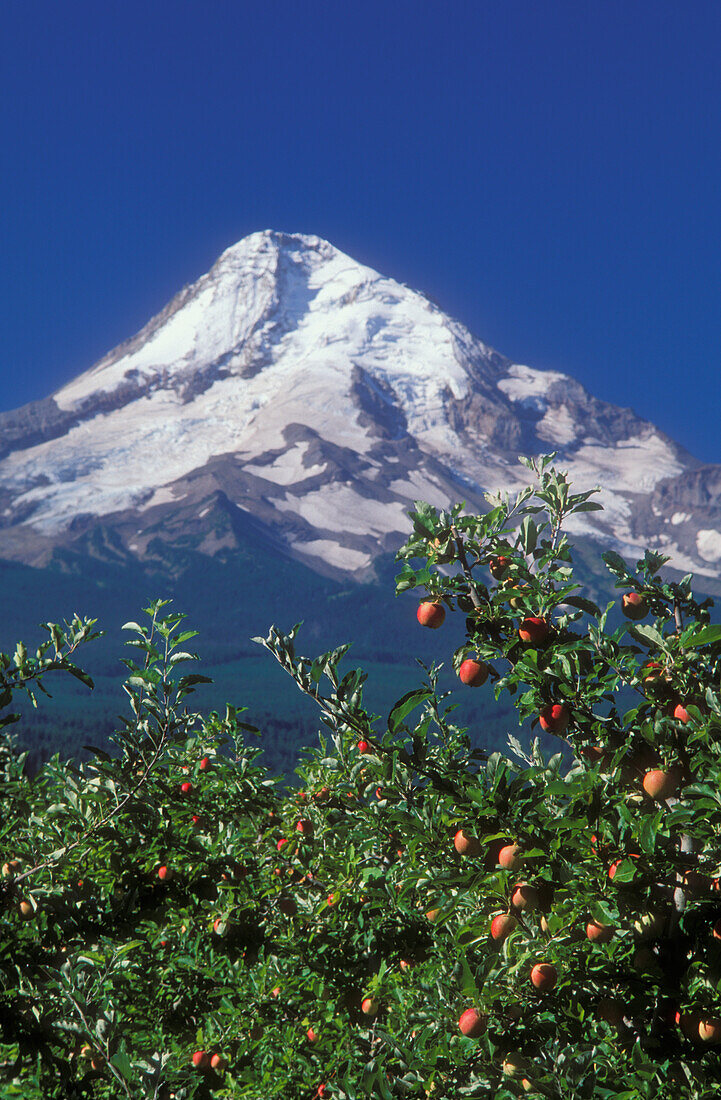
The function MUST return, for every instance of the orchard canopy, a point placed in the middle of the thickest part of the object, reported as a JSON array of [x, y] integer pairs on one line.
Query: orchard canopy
[[413, 917]]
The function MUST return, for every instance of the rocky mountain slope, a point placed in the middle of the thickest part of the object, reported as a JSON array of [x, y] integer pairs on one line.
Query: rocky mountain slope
[[296, 396]]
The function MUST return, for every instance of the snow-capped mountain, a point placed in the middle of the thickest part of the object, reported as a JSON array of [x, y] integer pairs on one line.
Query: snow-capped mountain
[[296, 394]]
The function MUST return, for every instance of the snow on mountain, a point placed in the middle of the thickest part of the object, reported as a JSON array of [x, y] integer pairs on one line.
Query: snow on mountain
[[294, 392]]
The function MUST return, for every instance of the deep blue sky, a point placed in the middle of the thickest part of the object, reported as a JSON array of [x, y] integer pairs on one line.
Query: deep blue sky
[[548, 171]]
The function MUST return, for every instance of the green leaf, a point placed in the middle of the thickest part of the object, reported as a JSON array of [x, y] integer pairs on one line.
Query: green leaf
[[405, 705], [703, 637]]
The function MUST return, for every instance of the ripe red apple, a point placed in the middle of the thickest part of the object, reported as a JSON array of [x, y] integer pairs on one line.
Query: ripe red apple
[[534, 630], [281, 844], [524, 896], [554, 718], [321, 795], [305, 828], [510, 857], [679, 712], [370, 1006], [166, 874], [186, 787], [201, 1060], [218, 1063], [502, 925], [499, 566], [431, 614], [617, 863], [406, 965], [473, 673], [275, 992], [599, 933], [204, 764], [312, 1036], [634, 606], [688, 1022], [709, 1029], [363, 747], [473, 1023], [660, 783], [544, 977], [466, 844]]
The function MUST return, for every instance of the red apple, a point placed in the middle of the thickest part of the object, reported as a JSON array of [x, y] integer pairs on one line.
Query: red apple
[[363, 747], [473, 1023], [165, 874], [218, 1063], [466, 844], [281, 844], [510, 857], [688, 1022], [275, 992], [204, 764], [661, 784], [305, 828], [544, 977], [473, 673], [709, 1029], [534, 631], [370, 1006], [26, 910], [499, 566], [598, 932], [431, 614], [200, 1060], [554, 718], [186, 787], [312, 1036], [617, 863], [502, 925], [634, 606], [717, 930], [524, 896]]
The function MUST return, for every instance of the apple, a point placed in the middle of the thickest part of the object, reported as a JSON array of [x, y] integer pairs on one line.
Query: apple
[[717, 930], [432, 915], [544, 977], [218, 1063], [515, 1065], [186, 787], [634, 606], [473, 673], [554, 718], [594, 754], [502, 925], [370, 1006], [166, 874], [26, 910], [617, 863], [321, 795], [275, 992], [534, 631], [305, 828], [201, 1060], [499, 566], [661, 784], [598, 932], [363, 747], [281, 844], [473, 1023], [510, 857], [688, 1022], [406, 965], [524, 896], [311, 1035], [431, 614], [11, 868], [466, 844], [709, 1029], [97, 1061]]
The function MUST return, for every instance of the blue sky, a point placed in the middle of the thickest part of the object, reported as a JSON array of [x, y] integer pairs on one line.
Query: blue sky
[[548, 171]]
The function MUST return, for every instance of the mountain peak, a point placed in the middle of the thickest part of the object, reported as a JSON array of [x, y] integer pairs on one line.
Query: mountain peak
[[317, 399]]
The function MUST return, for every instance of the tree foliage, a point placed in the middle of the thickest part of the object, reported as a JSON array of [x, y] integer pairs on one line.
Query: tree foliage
[[419, 918]]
